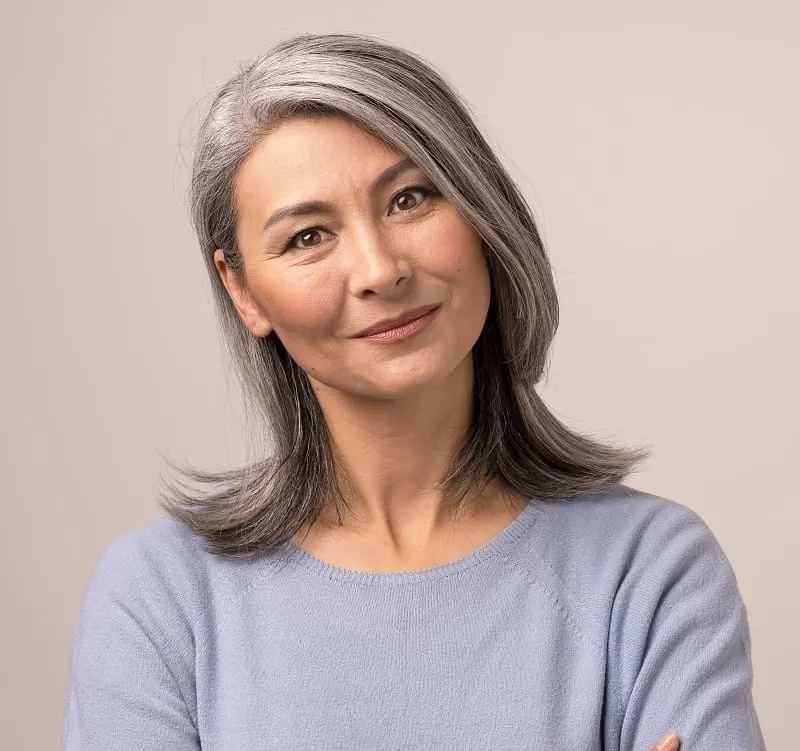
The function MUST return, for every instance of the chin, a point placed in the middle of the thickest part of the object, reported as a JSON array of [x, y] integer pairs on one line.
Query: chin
[[395, 377], [404, 379]]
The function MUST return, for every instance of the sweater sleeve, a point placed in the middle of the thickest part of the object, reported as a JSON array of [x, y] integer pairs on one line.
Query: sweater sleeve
[[679, 644], [130, 676]]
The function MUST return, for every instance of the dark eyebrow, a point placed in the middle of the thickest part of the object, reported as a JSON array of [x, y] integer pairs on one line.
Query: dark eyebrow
[[317, 207]]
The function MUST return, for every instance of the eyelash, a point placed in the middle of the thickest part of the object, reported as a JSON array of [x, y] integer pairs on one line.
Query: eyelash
[[426, 192]]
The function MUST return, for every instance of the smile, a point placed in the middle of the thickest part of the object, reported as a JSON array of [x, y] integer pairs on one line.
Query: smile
[[404, 331]]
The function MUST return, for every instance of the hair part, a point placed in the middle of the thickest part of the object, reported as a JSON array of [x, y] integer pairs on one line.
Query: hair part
[[513, 437]]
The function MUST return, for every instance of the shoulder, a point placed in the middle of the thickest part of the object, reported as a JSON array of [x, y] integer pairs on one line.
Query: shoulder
[[158, 539], [602, 547], [620, 508], [619, 524], [165, 569], [159, 548], [133, 644], [153, 593], [652, 585], [155, 564]]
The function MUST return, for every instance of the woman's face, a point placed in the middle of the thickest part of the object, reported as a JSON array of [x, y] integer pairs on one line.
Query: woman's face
[[376, 249]]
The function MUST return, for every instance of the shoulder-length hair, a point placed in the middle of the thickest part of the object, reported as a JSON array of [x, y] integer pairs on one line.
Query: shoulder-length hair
[[513, 436]]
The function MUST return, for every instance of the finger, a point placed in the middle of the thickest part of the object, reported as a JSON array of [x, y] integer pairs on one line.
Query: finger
[[668, 743]]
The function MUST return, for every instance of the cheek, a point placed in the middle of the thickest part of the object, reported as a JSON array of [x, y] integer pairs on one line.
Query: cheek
[[298, 303], [457, 250], [463, 263]]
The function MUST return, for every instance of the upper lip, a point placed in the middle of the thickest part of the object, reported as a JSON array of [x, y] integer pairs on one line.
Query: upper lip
[[390, 323]]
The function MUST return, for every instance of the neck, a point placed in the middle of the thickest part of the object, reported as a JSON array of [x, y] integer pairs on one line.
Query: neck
[[394, 452]]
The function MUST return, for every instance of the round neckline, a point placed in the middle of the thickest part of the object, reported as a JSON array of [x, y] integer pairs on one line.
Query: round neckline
[[497, 544]]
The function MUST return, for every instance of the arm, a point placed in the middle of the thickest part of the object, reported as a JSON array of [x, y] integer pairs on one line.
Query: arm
[[130, 681], [679, 644]]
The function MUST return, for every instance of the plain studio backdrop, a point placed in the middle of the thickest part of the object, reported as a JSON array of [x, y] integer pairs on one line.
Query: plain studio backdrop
[[658, 146]]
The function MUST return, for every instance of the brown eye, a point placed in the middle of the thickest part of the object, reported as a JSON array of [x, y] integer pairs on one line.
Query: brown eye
[[303, 237], [401, 200]]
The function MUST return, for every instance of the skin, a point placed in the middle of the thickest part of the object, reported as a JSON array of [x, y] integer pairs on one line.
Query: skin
[[396, 412], [668, 742]]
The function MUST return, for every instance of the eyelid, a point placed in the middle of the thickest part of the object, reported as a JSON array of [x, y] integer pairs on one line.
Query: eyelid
[[426, 190], [290, 242]]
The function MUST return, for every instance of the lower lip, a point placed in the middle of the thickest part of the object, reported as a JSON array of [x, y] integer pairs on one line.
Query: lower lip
[[401, 333]]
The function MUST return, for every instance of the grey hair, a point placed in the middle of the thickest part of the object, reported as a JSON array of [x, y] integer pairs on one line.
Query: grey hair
[[513, 437]]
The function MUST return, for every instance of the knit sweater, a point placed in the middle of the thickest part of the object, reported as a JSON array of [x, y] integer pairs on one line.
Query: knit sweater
[[598, 622]]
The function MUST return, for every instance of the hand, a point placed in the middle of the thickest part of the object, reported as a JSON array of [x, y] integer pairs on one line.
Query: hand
[[669, 742]]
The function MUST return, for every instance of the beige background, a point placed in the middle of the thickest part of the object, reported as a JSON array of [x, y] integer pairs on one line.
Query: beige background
[[658, 145]]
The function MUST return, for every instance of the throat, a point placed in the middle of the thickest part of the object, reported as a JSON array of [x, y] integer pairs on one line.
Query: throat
[[369, 553]]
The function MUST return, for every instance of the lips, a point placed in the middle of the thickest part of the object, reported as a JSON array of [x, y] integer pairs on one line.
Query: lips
[[390, 323]]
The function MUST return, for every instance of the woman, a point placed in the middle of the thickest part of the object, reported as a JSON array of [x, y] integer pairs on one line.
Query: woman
[[426, 558]]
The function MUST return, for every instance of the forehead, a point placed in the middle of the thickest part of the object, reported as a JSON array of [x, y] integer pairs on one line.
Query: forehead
[[314, 151]]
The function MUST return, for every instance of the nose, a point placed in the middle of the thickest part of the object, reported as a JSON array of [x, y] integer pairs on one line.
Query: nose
[[377, 262]]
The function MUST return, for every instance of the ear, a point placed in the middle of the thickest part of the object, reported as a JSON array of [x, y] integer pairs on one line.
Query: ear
[[251, 316]]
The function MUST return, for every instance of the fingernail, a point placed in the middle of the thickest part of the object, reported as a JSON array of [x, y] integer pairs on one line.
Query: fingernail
[[667, 742]]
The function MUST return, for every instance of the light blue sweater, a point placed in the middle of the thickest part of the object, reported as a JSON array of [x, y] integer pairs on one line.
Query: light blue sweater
[[595, 623]]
